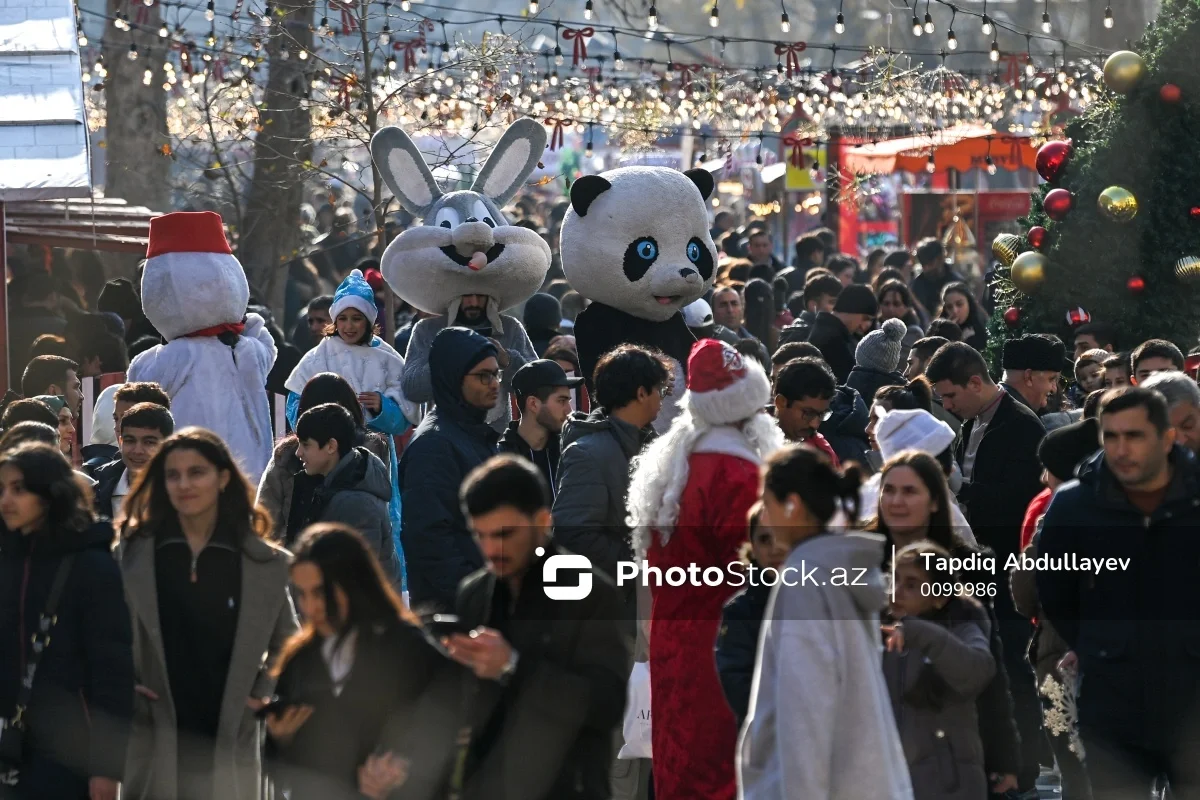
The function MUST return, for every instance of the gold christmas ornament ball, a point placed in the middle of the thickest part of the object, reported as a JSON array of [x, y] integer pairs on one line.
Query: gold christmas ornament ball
[[1029, 271], [1187, 269], [1117, 204], [1123, 71], [1005, 247]]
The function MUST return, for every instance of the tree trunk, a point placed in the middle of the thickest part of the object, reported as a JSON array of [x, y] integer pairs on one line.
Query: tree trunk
[[136, 169], [270, 238]]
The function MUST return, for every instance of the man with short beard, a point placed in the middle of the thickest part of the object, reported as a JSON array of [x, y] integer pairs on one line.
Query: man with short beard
[[543, 393]]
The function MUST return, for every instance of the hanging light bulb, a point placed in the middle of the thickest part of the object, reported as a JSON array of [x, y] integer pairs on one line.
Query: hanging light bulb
[[324, 29], [917, 29], [785, 24], [929, 165], [1108, 17], [210, 11], [987, 25], [714, 17], [588, 9], [164, 31], [405, 6], [1046, 22], [534, 7], [266, 17], [391, 63], [839, 27], [212, 39], [618, 64], [303, 54], [991, 165], [951, 40], [133, 53], [385, 35], [147, 76], [994, 53], [652, 18], [587, 151], [558, 56], [929, 26], [81, 40]]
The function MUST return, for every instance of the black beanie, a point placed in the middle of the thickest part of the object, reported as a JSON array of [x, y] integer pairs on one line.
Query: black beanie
[[1036, 351], [1062, 449], [857, 299], [119, 297]]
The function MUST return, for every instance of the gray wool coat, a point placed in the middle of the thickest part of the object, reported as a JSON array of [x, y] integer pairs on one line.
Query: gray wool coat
[[266, 621], [941, 739]]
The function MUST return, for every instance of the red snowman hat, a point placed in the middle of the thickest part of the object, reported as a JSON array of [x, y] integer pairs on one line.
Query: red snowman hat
[[723, 387], [187, 232]]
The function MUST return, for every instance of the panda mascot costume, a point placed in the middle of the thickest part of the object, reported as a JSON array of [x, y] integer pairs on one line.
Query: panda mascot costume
[[465, 247], [635, 242], [214, 365]]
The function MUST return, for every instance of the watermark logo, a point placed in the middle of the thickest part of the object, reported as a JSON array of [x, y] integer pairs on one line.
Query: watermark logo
[[566, 562]]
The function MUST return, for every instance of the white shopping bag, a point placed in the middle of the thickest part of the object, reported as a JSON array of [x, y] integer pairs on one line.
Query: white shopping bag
[[637, 713]]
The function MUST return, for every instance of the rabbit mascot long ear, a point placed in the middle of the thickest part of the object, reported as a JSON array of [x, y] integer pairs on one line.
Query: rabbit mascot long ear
[[465, 245]]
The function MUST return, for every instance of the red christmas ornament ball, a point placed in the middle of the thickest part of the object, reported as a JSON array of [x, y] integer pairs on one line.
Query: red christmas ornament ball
[[1170, 93], [1036, 237], [1194, 213], [1136, 284], [1052, 158], [1012, 316], [1057, 203]]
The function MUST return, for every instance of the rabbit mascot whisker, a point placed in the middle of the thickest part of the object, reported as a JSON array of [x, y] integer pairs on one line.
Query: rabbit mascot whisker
[[215, 363], [466, 263]]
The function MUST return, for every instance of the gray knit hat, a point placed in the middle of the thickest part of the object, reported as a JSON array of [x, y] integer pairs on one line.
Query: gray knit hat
[[880, 349]]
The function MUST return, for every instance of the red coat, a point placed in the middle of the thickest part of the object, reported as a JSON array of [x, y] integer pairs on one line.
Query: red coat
[[694, 734]]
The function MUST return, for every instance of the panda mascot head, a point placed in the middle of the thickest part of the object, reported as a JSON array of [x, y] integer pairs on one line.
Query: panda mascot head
[[637, 239]]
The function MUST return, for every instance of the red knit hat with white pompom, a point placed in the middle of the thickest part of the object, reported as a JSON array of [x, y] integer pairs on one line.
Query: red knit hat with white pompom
[[723, 387]]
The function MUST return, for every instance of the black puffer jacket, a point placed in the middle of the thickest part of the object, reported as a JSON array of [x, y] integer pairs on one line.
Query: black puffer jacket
[[737, 645], [451, 441], [78, 717], [846, 428]]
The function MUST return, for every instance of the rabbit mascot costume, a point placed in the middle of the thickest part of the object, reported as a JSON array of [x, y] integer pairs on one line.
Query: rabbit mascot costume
[[635, 242], [216, 359], [465, 264]]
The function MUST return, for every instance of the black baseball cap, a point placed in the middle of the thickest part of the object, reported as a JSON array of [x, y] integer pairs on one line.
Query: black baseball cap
[[537, 374]]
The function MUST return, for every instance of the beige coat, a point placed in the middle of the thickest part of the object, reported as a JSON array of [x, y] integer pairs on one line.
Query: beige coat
[[267, 620]]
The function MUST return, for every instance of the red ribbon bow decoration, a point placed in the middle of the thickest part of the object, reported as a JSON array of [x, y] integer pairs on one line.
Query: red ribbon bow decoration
[[185, 56], [579, 36], [792, 52], [556, 135], [410, 48], [797, 143], [143, 13], [1012, 71], [218, 69], [349, 21], [686, 73]]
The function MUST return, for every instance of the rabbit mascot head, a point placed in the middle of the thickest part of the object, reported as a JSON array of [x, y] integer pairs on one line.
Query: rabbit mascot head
[[465, 246]]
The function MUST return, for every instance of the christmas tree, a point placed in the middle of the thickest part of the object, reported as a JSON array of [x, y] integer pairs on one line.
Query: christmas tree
[[1115, 229]]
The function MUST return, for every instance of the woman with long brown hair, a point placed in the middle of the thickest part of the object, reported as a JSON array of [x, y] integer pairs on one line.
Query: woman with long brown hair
[[350, 682], [209, 596]]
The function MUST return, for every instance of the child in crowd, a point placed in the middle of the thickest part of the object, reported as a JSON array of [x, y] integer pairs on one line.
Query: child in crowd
[[936, 662], [1089, 375], [1116, 371]]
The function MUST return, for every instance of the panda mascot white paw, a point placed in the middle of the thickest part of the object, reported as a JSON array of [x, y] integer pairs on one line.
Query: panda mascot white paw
[[635, 242]]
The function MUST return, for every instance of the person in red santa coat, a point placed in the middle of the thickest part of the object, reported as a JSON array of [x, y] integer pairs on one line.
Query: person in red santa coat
[[689, 501]]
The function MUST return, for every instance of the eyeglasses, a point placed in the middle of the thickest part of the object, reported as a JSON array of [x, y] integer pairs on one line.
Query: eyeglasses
[[812, 414], [665, 389], [486, 377]]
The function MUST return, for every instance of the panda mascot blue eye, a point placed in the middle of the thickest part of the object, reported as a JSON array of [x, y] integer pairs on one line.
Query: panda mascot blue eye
[[640, 255], [699, 254]]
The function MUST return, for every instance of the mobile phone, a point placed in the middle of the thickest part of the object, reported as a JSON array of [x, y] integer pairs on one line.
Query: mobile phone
[[485, 331], [276, 705], [440, 625]]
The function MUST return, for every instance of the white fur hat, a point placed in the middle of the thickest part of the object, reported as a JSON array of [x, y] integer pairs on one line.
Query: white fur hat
[[912, 429], [723, 387]]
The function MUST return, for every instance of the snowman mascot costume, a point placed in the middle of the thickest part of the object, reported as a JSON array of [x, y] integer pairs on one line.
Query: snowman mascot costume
[[635, 242], [216, 359]]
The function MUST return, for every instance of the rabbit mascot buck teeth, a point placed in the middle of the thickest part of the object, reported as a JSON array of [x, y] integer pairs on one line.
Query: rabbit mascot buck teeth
[[216, 359], [466, 263], [635, 242]]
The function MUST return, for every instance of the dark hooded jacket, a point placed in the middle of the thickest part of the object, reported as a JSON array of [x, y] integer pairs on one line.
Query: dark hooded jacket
[[1134, 627], [107, 477], [593, 480], [846, 428], [78, 716], [356, 493], [737, 645], [452, 440], [831, 336]]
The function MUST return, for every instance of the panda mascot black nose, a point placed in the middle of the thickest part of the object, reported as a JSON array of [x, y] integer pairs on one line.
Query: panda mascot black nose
[[687, 272]]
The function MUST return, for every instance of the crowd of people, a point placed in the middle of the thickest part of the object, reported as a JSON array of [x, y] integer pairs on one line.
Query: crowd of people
[[376, 612]]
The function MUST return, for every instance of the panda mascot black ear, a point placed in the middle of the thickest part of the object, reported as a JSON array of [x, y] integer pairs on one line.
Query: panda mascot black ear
[[703, 180], [585, 190]]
